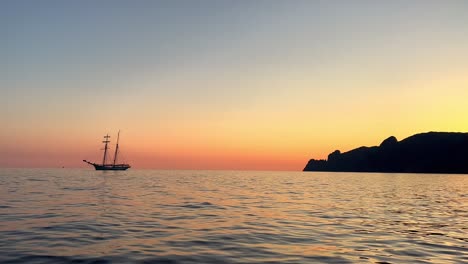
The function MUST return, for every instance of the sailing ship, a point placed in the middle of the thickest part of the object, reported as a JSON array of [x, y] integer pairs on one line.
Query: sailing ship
[[109, 166]]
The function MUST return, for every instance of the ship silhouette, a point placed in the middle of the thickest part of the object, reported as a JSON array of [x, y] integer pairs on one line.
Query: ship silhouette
[[109, 166]]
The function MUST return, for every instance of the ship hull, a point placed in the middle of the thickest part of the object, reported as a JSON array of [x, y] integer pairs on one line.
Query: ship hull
[[116, 167], [113, 167]]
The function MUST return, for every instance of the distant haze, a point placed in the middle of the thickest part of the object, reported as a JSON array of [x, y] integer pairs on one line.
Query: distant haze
[[225, 84]]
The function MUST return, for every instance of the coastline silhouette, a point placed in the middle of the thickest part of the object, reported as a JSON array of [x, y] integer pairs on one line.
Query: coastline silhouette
[[432, 152]]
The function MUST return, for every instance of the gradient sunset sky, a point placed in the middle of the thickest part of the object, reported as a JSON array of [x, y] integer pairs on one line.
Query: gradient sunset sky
[[225, 84]]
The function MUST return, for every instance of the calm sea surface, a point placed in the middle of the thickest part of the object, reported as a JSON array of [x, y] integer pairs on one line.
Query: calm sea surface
[[144, 216]]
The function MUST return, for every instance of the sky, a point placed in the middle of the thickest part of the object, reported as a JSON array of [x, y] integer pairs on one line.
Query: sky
[[235, 85]]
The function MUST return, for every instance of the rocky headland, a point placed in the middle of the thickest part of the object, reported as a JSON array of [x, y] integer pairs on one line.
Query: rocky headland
[[432, 152]]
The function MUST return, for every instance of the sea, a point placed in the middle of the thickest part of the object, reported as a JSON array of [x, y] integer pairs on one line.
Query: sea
[[173, 216]]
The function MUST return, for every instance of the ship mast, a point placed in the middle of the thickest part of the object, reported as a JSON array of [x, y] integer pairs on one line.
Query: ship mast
[[116, 147], [106, 141]]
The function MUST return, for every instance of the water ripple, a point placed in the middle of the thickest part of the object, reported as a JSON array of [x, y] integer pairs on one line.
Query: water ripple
[[82, 216]]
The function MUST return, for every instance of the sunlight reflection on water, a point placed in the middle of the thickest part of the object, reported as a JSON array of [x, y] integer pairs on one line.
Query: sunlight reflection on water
[[143, 216]]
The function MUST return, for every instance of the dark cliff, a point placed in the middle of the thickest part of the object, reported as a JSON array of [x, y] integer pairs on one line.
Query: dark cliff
[[433, 152]]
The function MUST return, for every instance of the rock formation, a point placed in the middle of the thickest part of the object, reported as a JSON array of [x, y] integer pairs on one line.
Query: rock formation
[[432, 152]]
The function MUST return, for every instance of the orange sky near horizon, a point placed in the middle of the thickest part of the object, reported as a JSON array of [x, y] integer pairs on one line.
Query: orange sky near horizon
[[261, 138]]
